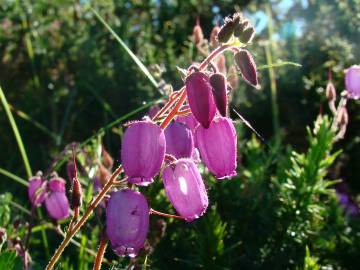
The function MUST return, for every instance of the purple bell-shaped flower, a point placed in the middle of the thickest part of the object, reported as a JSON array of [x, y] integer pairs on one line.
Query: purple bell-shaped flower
[[142, 151], [37, 190], [56, 203], [179, 140], [352, 81], [185, 189], [217, 146], [200, 98], [127, 221]]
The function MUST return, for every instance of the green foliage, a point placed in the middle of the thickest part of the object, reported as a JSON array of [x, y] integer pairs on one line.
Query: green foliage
[[74, 82], [9, 260]]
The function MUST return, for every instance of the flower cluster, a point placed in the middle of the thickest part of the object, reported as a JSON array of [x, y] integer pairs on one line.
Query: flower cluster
[[196, 130], [51, 192]]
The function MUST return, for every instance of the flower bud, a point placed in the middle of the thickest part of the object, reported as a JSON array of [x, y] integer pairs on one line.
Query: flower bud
[[198, 35], [247, 35], [185, 189], [233, 78], [330, 91], [37, 190], [241, 27], [142, 151], [103, 174], [352, 81], [127, 221], [217, 146], [200, 98], [76, 194], [343, 116], [179, 140], [218, 83], [213, 36], [221, 64], [107, 160], [226, 31], [56, 202], [246, 64], [71, 170]]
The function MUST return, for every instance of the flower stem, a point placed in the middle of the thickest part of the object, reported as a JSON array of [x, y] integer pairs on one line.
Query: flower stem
[[101, 252], [83, 219], [154, 212]]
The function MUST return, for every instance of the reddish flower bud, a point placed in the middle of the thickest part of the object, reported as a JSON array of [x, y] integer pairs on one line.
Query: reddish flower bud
[[221, 63], [37, 190], [330, 91], [179, 140], [127, 221], [103, 174], [107, 160], [57, 203], [241, 27], [247, 35], [220, 157], [226, 31], [213, 36], [218, 83], [71, 170], [76, 194], [233, 78], [185, 189], [198, 35], [352, 81], [142, 151], [200, 98], [343, 116], [246, 64]]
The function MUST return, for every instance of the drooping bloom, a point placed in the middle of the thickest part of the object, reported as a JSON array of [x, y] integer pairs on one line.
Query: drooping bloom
[[179, 140], [127, 221], [188, 120], [246, 64], [142, 151], [185, 189], [218, 83], [200, 98], [352, 81], [56, 203], [217, 146], [37, 190]]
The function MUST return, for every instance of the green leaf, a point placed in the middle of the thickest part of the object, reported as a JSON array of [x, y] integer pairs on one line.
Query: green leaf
[[9, 261]]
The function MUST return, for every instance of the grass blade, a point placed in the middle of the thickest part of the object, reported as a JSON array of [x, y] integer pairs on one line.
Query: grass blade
[[28, 118], [279, 64], [126, 48], [16, 133], [14, 177]]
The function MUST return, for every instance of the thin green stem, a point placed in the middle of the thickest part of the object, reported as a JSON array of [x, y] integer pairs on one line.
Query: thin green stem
[[16, 133], [272, 76], [14, 177]]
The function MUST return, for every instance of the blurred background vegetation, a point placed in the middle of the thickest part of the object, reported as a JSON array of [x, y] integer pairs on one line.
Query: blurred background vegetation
[[65, 77]]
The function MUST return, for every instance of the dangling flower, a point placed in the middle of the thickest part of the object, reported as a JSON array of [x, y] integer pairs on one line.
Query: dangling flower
[[200, 98], [142, 151], [217, 146], [57, 203], [218, 83], [246, 64], [352, 81], [37, 190], [179, 140], [185, 189], [127, 221]]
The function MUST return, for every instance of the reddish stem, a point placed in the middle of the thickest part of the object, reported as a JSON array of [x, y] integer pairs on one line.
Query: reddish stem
[[154, 212], [101, 252]]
